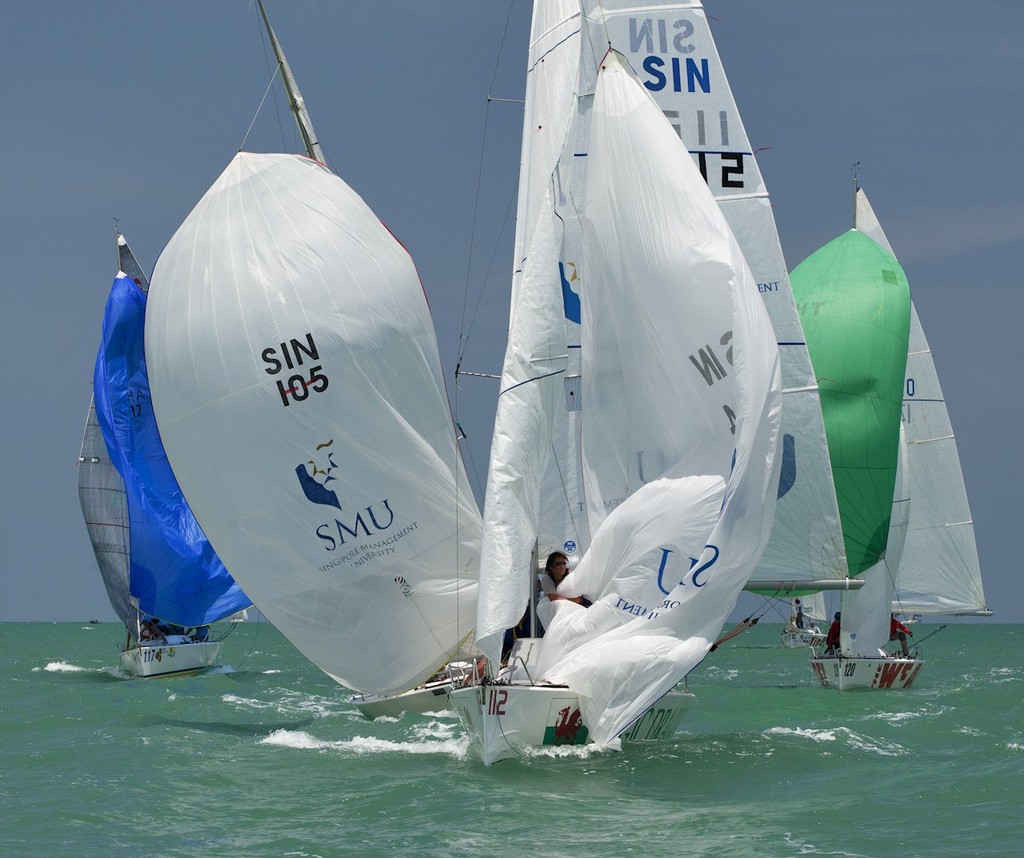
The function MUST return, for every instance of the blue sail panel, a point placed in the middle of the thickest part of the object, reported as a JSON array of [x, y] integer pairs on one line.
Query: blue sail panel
[[174, 572]]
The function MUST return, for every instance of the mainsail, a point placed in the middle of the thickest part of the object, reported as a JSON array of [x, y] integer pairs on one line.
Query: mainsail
[[939, 572], [297, 383]]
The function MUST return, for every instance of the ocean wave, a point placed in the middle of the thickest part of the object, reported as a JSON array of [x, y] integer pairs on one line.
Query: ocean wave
[[457, 747], [857, 741]]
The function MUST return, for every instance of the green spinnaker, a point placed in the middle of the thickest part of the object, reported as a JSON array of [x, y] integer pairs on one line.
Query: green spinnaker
[[854, 304]]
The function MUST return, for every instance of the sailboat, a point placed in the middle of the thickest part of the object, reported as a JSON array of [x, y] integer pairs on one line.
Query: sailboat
[[153, 558], [297, 382], [855, 305], [930, 565], [804, 627], [640, 397]]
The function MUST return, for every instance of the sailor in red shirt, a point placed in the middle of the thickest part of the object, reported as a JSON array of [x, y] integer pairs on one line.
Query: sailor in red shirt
[[898, 631]]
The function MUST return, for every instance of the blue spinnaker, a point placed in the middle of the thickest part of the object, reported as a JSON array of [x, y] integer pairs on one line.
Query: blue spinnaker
[[175, 573]]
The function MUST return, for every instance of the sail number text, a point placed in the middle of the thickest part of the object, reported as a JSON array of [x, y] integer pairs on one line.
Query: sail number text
[[291, 356]]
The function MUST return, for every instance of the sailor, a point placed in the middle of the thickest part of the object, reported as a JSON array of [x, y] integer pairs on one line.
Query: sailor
[[832, 639], [555, 570], [898, 631]]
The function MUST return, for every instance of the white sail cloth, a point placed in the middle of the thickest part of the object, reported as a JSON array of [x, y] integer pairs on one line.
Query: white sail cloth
[[297, 386], [681, 375], [939, 572], [671, 47]]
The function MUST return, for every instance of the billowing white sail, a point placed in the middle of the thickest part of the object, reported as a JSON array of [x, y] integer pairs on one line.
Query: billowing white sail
[[939, 572], [681, 392], [671, 375], [670, 46], [297, 385]]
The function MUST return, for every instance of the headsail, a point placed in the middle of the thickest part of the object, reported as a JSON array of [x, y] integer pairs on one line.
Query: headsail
[[855, 308], [671, 47], [666, 291], [298, 386], [151, 555]]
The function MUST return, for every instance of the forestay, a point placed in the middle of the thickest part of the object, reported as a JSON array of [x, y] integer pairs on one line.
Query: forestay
[[297, 382]]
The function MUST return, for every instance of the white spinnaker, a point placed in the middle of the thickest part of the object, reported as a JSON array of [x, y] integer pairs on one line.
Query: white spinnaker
[[664, 280], [297, 385], [671, 47], [939, 572]]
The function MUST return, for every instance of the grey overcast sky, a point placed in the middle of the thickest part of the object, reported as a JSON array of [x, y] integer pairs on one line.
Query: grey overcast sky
[[126, 112]]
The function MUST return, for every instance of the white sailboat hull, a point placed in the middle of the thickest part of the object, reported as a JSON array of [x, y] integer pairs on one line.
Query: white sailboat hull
[[431, 696], [795, 638], [504, 719], [168, 659], [844, 674]]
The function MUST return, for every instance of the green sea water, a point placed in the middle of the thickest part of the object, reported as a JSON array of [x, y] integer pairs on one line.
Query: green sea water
[[266, 757]]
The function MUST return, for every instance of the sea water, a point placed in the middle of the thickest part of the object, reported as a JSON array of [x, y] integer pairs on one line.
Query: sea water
[[266, 757]]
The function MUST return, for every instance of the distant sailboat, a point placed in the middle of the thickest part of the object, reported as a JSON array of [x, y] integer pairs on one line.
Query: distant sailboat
[[638, 418], [939, 572], [155, 562], [927, 556], [298, 385]]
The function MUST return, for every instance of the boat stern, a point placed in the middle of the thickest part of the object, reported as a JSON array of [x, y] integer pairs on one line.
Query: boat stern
[[845, 674]]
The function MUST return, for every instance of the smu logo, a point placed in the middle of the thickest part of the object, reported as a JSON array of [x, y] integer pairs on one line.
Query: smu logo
[[314, 477]]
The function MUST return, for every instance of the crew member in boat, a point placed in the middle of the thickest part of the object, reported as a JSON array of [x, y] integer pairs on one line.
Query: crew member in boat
[[799, 614], [555, 570], [898, 631], [832, 639], [150, 630]]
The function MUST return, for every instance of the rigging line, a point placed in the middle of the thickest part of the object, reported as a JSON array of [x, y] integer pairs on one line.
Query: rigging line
[[258, 109], [252, 644], [464, 340], [531, 380], [277, 71], [565, 494], [463, 336]]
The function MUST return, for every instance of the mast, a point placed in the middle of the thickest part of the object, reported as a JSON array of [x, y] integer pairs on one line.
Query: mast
[[295, 100]]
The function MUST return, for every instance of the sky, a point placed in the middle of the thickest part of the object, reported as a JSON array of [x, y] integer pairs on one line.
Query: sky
[[124, 113]]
